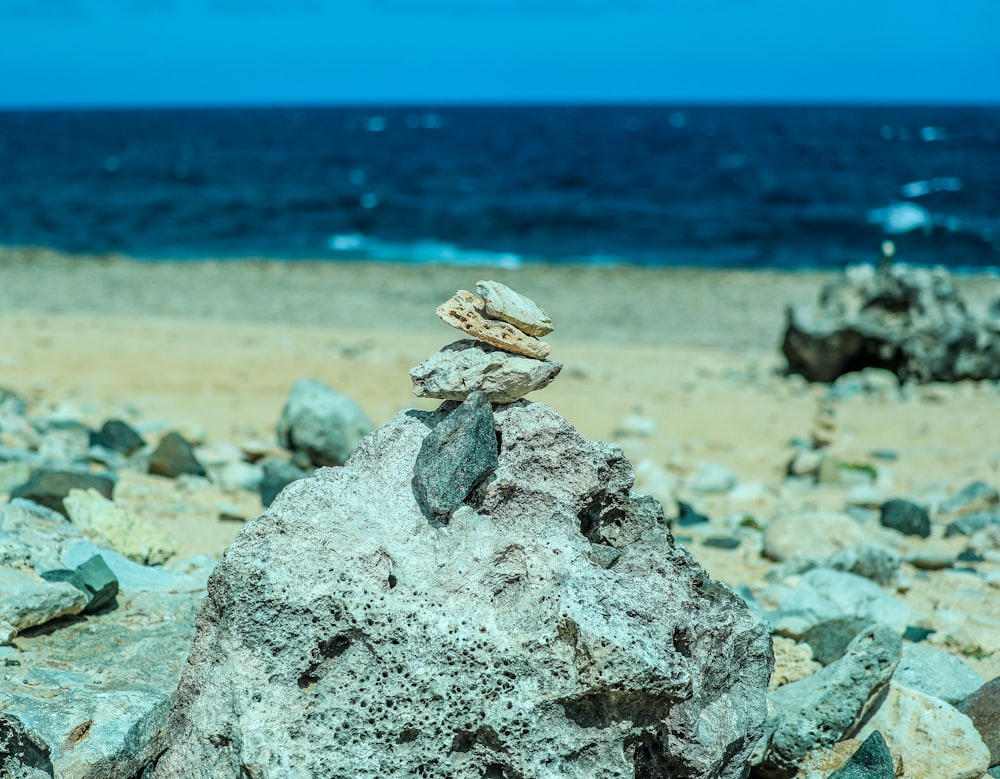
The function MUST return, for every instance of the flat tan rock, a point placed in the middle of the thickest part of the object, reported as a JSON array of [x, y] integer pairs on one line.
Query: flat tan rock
[[501, 302], [464, 311]]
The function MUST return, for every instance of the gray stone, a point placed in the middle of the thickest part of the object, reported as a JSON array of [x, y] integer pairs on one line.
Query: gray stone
[[975, 497], [983, 708], [829, 640], [814, 534], [933, 671], [873, 760], [910, 321], [100, 582], [118, 436], [968, 524], [908, 518], [48, 488], [323, 423], [821, 709], [824, 594], [466, 366], [712, 478], [935, 740], [29, 601], [456, 454], [174, 457], [346, 635], [278, 474], [501, 302]]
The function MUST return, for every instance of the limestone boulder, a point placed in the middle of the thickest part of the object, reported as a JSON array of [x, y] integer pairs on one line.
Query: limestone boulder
[[345, 634]]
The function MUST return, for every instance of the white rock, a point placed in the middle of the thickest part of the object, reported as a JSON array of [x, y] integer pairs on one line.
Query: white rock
[[936, 740], [464, 311], [463, 367], [501, 302], [712, 478], [815, 534], [101, 520]]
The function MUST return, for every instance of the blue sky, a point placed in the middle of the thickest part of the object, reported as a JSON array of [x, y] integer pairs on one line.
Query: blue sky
[[245, 52]]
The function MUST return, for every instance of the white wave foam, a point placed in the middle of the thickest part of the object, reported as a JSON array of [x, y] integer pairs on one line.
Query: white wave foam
[[899, 218], [425, 251], [919, 188]]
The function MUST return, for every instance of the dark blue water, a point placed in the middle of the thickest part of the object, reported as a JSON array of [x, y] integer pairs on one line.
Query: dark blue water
[[707, 186]]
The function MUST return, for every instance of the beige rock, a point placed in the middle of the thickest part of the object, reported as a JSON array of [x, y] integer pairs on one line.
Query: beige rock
[[792, 661], [814, 534], [935, 740], [501, 302], [464, 311], [104, 522]]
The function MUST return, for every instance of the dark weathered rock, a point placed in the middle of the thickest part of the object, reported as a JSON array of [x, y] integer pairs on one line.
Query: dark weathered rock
[[910, 321], [324, 424], [455, 456], [974, 498], [968, 524], [908, 518], [821, 709], [344, 634], [48, 488], [23, 754], [174, 457], [100, 582], [118, 436], [983, 708], [872, 761], [829, 640]]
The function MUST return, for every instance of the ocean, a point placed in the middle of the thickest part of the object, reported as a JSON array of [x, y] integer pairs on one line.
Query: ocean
[[706, 186]]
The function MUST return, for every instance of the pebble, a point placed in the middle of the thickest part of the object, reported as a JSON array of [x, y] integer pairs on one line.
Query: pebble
[[933, 671], [968, 524], [635, 425], [455, 455], [873, 760], [975, 497], [908, 518], [48, 488], [712, 479], [468, 366], [828, 640], [501, 302], [935, 739], [722, 542], [118, 436], [464, 310], [174, 457], [817, 534], [687, 516]]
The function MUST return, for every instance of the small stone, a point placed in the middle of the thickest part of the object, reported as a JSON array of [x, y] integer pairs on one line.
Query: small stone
[[29, 600], [722, 542], [983, 708], [635, 425], [464, 311], [917, 634], [501, 302], [930, 559], [324, 424], [712, 479], [935, 740], [977, 497], [466, 366], [687, 516], [48, 488], [174, 457], [455, 455], [968, 524], [118, 436], [793, 661], [100, 582], [278, 474], [933, 671], [908, 518], [815, 534], [873, 760], [828, 640]]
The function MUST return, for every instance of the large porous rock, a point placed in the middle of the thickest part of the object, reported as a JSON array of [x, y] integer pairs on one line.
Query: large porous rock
[[346, 634], [324, 424], [911, 321]]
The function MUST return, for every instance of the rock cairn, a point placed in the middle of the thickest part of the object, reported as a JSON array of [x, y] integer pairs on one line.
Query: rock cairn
[[505, 359]]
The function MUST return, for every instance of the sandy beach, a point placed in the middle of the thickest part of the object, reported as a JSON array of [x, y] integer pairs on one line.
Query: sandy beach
[[212, 349]]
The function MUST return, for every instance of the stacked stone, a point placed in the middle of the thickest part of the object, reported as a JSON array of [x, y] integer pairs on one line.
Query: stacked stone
[[505, 359]]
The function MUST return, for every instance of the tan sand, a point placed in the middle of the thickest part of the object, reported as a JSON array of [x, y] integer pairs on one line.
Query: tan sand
[[215, 347]]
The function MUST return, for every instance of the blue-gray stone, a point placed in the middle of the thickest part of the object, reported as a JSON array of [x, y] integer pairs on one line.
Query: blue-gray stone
[[100, 583], [174, 457], [455, 455], [48, 488], [908, 518], [933, 671], [872, 760]]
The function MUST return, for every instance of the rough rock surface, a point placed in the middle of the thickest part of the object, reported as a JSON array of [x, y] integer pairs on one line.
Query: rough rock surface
[[465, 366], [501, 302], [821, 709], [872, 761], [345, 635], [455, 455], [933, 671], [464, 311], [104, 522], [910, 321], [983, 707], [323, 423], [936, 740]]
